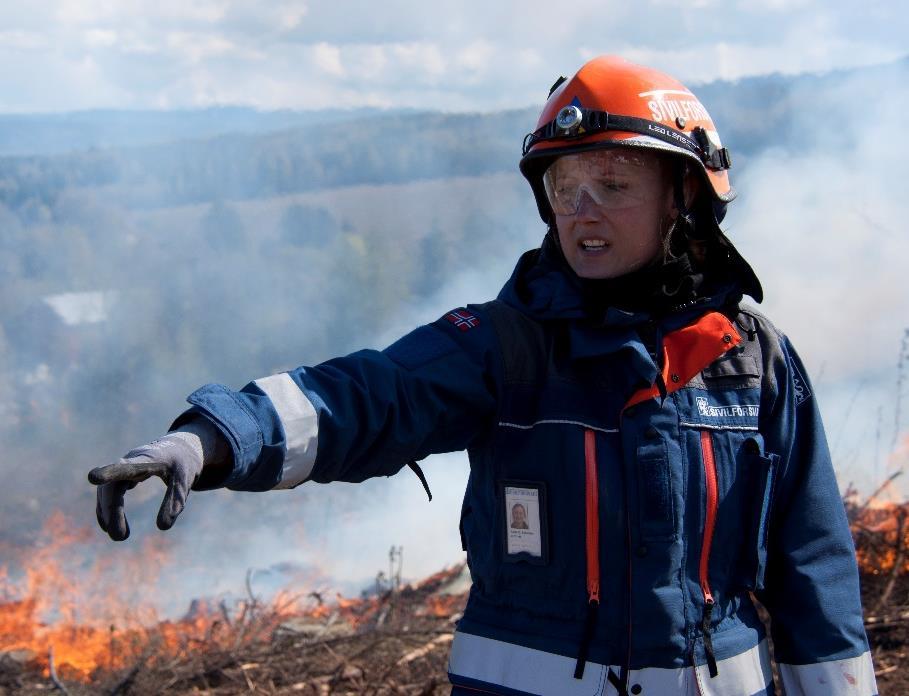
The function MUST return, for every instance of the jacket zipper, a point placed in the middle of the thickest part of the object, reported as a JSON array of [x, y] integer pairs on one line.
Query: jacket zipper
[[592, 537], [593, 516], [710, 477]]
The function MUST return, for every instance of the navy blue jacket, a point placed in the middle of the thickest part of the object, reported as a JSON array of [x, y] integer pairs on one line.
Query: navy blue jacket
[[667, 469]]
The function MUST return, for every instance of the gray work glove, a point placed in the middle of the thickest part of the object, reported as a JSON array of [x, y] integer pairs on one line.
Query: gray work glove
[[177, 458]]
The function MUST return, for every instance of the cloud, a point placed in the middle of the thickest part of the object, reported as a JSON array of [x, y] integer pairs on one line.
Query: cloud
[[469, 56], [328, 59], [732, 61], [24, 41], [194, 48], [93, 12], [100, 37]]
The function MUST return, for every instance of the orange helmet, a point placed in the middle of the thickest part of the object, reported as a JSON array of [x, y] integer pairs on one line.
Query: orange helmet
[[611, 102]]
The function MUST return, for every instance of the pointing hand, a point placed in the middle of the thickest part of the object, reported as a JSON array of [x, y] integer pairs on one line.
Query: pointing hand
[[174, 458]]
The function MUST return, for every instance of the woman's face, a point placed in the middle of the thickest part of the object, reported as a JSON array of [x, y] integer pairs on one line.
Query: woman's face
[[611, 209]]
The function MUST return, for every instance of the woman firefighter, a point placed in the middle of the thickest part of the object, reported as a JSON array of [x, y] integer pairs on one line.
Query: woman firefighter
[[646, 454]]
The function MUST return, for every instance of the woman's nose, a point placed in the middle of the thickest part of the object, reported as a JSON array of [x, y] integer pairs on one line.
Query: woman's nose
[[587, 207]]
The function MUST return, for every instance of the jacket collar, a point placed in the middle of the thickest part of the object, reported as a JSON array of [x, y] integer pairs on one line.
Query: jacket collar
[[541, 287]]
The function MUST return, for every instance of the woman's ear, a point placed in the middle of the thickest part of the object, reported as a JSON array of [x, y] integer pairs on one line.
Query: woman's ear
[[691, 187]]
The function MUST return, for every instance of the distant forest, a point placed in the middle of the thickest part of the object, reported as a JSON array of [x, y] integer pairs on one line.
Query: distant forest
[[382, 149], [162, 159]]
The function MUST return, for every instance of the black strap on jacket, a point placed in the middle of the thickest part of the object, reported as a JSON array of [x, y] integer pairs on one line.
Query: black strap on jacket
[[415, 468]]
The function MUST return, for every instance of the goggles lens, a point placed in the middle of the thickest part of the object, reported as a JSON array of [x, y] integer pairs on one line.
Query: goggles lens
[[613, 179]]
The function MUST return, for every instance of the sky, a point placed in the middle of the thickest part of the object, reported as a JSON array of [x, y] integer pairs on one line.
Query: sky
[[61, 55]]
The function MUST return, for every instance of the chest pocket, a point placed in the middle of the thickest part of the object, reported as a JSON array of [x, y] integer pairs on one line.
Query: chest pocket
[[656, 509], [743, 478], [751, 564], [723, 408]]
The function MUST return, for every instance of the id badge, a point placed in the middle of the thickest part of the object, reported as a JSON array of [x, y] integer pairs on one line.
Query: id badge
[[524, 523]]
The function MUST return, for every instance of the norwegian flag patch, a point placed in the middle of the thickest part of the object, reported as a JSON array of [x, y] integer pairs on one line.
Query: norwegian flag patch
[[463, 319]]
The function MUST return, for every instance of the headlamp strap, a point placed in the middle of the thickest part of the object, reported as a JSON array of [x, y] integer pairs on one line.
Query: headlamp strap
[[592, 121]]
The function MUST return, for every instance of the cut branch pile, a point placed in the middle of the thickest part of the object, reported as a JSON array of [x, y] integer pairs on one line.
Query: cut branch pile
[[396, 643], [881, 534]]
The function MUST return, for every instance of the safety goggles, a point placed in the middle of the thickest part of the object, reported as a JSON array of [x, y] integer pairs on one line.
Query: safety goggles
[[613, 179]]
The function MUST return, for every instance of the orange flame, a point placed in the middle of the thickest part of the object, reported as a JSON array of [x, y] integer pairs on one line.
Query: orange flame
[[442, 606], [54, 601], [881, 533], [100, 615]]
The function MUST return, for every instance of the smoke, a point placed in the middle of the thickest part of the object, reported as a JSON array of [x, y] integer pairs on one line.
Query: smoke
[[821, 217], [115, 314], [344, 529], [111, 313]]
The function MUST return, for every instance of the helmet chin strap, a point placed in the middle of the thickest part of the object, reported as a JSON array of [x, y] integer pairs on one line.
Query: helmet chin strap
[[678, 185]]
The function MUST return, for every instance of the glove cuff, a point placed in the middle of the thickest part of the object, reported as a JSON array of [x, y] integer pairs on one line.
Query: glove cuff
[[205, 440]]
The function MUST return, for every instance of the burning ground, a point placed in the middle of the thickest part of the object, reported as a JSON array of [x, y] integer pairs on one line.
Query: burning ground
[[58, 634], [392, 642]]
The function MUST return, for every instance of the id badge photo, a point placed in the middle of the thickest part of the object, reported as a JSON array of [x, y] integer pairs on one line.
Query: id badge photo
[[524, 522]]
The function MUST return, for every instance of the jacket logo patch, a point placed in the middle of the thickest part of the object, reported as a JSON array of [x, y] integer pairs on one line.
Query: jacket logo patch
[[463, 319], [802, 392], [705, 409]]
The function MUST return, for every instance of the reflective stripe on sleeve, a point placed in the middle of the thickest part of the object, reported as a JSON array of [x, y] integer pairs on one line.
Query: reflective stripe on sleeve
[[492, 662], [301, 426], [853, 676]]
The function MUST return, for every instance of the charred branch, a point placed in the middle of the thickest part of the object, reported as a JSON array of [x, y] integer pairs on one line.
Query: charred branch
[[52, 669]]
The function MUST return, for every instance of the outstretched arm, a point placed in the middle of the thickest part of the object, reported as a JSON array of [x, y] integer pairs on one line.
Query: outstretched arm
[[348, 419]]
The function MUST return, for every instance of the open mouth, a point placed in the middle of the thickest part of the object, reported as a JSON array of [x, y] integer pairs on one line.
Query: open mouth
[[592, 244]]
